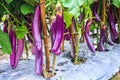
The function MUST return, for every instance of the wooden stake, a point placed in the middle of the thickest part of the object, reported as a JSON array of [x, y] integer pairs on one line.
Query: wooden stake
[[103, 11], [73, 38], [44, 27], [62, 46]]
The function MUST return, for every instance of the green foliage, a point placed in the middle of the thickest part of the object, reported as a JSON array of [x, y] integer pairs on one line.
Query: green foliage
[[67, 18], [116, 3], [21, 31], [75, 6], [1, 12], [92, 27], [26, 8], [8, 1], [5, 42], [31, 2]]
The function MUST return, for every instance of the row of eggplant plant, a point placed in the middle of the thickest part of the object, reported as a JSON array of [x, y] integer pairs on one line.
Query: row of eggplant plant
[[75, 21]]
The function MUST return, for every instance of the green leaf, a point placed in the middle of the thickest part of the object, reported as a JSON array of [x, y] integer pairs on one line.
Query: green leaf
[[26, 8], [67, 18], [21, 31], [31, 2], [75, 6], [92, 27], [116, 3], [5, 43], [8, 1], [2, 10]]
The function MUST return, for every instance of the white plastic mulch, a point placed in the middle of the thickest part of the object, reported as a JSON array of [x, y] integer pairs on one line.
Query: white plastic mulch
[[99, 66]]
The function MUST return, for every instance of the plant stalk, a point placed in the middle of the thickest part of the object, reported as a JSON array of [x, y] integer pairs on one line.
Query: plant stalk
[[44, 27], [73, 39], [26, 48], [62, 46], [53, 67]]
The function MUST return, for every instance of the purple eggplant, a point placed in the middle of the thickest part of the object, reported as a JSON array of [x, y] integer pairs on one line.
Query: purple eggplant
[[110, 42], [19, 51], [53, 30], [67, 36], [29, 27], [38, 62], [112, 24], [59, 33], [34, 50], [12, 37], [102, 39], [95, 14], [81, 17], [87, 37], [36, 31], [59, 29]]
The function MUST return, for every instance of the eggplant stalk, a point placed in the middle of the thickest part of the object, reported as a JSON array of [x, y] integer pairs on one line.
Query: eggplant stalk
[[44, 27]]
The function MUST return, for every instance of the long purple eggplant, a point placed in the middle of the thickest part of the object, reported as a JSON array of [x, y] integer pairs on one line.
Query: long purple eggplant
[[38, 62], [34, 50], [13, 44], [29, 27], [19, 51], [110, 42], [112, 24], [36, 31], [95, 14], [87, 37], [67, 36], [59, 29], [102, 39], [81, 17], [53, 30]]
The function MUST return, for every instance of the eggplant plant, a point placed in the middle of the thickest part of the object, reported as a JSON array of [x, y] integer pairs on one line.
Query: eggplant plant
[[72, 21]]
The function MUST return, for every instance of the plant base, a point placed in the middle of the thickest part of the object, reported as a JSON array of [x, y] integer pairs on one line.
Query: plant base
[[48, 74], [79, 61]]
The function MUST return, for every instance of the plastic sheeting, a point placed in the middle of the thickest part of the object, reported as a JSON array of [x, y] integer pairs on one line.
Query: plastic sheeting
[[99, 66]]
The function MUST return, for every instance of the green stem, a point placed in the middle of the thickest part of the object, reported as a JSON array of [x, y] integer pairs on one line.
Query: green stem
[[26, 48], [77, 47], [97, 35], [30, 36], [10, 13], [53, 67], [47, 5]]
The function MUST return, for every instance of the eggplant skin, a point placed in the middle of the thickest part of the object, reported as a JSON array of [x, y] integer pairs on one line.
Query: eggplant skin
[[95, 14], [38, 62], [59, 33], [36, 28], [19, 51], [110, 42], [29, 27], [114, 33], [53, 30], [12, 37], [67, 36], [37, 44], [102, 39], [87, 37]]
